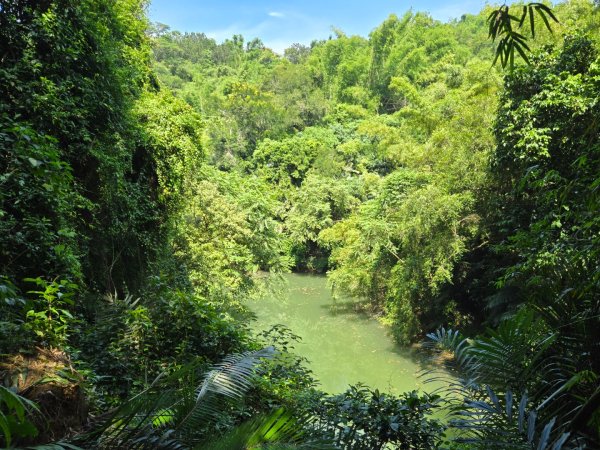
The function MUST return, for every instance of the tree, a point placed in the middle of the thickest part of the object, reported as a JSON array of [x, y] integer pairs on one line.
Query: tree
[[544, 236]]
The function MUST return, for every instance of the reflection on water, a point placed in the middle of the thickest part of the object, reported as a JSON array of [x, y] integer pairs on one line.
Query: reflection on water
[[344, 347]]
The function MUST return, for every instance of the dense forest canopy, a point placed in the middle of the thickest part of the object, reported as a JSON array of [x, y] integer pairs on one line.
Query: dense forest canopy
[[149, 176]]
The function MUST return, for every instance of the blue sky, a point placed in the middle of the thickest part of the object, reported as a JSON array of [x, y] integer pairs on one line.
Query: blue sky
[[280, 23]]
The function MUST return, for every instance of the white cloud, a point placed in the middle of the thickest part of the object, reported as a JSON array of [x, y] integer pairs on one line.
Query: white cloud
[[276, 14]]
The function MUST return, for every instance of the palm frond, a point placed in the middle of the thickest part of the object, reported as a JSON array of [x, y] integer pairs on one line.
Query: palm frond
[[14, 421], [520, 356], [172, 412], [231, 379], [504, 422], [280, 429], [55, 446]]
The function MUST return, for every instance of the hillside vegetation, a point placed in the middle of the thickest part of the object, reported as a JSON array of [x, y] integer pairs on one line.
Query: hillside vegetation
[[149, 176]]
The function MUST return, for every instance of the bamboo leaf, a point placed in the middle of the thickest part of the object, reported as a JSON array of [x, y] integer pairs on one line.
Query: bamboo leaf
[[544, 18], [523, 16], [522, 53], [548, 11]]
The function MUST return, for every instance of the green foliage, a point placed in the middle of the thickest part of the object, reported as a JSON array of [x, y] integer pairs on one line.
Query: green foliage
[[283, 381], [13, 335], [533, 380], [134, 340], [69, 76], [257, 115], [44, 316], [226, 233], [400, 247], [286, 162], [361, 418], [492, 421], [372, 158], [47, 315], [38, 204], [87, 177], [173, 131], [544, 231], [316, 206], [174, 412], [519, 384], [424, 72], [18, 419], [544, 180], [13, 417], [278, 430]]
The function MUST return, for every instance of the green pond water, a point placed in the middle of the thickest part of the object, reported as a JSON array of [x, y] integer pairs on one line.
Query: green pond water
[[344, 347]]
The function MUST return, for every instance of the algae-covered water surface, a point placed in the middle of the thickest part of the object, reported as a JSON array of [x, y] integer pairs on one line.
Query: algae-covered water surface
[[343, 346]]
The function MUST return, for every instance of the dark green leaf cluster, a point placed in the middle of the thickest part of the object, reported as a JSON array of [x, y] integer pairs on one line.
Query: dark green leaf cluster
[[38, 205], [69, 73], [134, 340], [14, 423], [362, 418]]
